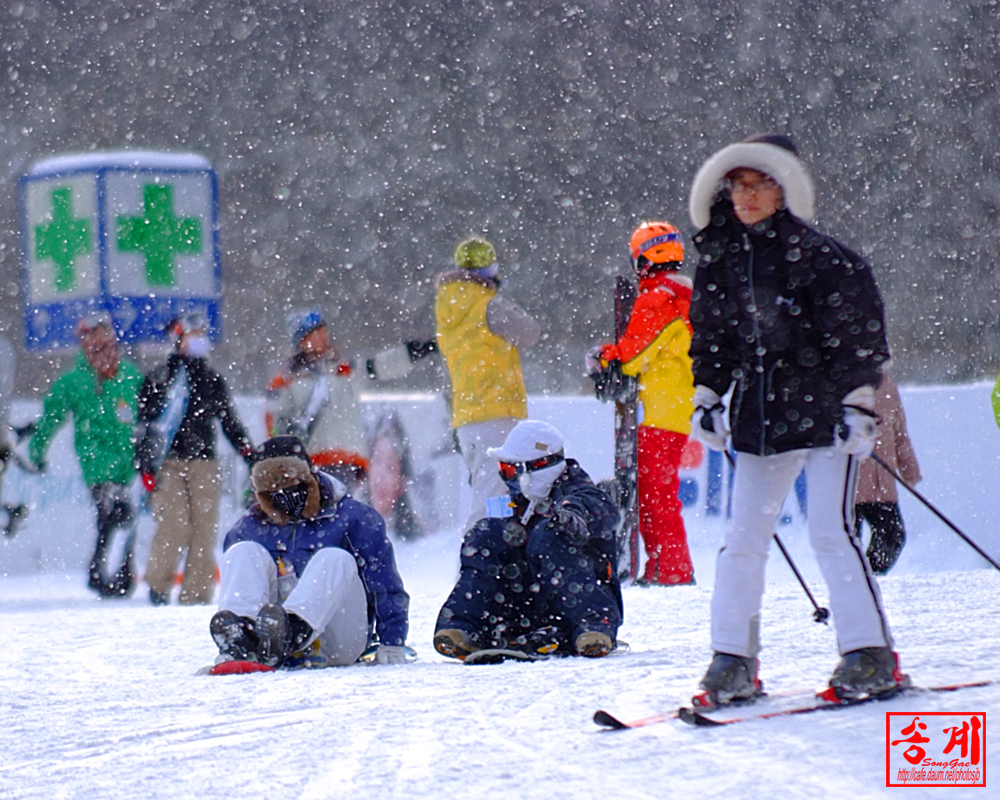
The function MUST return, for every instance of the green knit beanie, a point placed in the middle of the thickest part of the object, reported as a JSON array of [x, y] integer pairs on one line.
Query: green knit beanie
[[474, 253]]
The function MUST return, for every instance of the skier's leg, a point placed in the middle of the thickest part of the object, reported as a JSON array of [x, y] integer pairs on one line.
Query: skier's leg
[[104, 504], [489, 599], [248, 579], [172, 512], [888, 535], [761, 483], [204, 485], [855, 599], [660, 521], [331, 598], [484, 477]]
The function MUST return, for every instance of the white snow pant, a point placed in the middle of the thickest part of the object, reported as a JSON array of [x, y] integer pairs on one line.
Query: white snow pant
[[758, 492], [329, 595], [484, 475]]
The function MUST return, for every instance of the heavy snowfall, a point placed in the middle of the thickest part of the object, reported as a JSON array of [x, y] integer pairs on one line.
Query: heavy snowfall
[[354, 144], [100, 698]]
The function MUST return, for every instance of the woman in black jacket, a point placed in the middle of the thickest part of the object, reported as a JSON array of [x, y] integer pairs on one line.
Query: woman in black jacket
[[179, 465], [792, 322]]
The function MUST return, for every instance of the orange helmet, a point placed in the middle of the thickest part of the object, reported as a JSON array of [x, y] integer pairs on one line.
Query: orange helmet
[[657, 242]]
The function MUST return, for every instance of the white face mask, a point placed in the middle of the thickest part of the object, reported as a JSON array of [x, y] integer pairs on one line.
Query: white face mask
[[537, 485], [197, 346]]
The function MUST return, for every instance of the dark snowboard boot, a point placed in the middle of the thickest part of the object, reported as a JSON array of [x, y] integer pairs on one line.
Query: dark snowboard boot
[[235, 636], [280, 634]]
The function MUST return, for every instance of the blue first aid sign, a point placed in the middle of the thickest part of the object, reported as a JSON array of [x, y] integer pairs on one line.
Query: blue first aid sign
[[131, 233]]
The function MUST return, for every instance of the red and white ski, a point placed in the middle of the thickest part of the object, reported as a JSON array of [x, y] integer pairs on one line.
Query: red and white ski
[[768, 707]]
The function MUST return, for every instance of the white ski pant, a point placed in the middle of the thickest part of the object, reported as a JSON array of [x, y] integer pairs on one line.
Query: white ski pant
[[329, 595], [484, 475], [760, 487]]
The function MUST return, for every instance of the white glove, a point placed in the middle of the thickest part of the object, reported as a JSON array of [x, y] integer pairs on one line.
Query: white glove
[[709, 421], [391, 654], [592, 361], [857, 431]]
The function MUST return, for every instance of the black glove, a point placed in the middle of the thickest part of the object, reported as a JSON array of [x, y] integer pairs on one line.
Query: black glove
[[418, 350], [613, 384], [569, 523]]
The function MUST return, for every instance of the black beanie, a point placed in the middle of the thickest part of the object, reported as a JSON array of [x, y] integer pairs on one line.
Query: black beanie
[[777, 139], [281, 447]]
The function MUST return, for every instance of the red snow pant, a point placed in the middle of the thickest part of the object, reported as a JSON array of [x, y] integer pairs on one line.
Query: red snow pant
[[660, 520]]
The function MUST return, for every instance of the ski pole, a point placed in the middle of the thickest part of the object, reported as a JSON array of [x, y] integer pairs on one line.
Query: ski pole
[[940, 516], [820, 614]]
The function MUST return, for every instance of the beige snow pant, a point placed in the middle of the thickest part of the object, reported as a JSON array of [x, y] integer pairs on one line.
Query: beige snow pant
[[186, 510]]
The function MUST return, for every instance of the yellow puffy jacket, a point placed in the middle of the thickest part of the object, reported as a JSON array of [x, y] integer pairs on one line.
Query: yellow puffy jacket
[[655, 348], [485, 369]]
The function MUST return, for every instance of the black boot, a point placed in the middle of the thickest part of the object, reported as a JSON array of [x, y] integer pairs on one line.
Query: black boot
[[234, 635], [280, 634]]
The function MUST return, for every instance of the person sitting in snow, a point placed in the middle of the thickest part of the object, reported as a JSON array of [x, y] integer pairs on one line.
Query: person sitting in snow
[[545, 580], [307, 570]]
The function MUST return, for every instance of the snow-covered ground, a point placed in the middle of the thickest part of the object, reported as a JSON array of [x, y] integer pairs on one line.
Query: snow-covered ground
[[100, 699]]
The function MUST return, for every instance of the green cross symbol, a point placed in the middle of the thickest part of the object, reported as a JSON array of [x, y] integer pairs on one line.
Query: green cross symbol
[[158, 234], [63, 239]]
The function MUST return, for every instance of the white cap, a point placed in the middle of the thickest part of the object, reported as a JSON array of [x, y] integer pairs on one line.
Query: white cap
[[530, 439]]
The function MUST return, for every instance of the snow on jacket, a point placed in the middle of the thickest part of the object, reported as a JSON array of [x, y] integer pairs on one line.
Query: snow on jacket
[[575, 491], [352, 526], [893, 446], [336, 433], [654, 348], [793, 318], [208, 400], [104, 414], [479, 335]]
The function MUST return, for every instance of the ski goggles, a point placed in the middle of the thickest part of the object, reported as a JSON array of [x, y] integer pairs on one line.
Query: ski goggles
[[509, 470]]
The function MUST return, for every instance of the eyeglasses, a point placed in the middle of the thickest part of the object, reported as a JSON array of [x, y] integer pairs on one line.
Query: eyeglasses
[[755, 186], [509, 471]]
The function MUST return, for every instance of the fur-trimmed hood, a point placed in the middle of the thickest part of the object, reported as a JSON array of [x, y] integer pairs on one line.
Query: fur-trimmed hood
[[780, 163], [280, 473]]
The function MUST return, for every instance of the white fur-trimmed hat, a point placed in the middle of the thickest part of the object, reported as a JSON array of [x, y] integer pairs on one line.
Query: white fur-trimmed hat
[[770, 153]]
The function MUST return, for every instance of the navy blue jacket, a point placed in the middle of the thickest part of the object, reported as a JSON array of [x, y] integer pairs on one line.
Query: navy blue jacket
[[793, 317], [352, 526]]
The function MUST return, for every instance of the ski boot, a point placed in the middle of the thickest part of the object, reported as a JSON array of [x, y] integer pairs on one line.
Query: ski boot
[[454, 643], [235, 636], [279, 634], [868, 672], [728, 679]]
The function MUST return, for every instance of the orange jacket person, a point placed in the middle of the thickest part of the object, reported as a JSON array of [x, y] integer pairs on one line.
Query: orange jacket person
[[654, 349]]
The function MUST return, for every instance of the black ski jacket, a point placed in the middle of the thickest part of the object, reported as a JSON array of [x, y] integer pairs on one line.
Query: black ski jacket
[[209, 399], [790, 315]]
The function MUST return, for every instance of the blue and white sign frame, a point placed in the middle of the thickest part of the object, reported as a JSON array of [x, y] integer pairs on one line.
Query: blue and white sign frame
[[135, 234]]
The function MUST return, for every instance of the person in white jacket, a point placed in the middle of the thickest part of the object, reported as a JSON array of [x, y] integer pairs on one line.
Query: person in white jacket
[[315, 396]]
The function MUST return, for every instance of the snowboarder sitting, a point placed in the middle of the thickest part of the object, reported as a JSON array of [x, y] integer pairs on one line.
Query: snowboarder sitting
[[308, 570], [545, 580], [654, 349]]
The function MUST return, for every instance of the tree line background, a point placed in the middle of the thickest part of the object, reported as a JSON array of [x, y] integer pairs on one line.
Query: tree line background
[[357, 142]]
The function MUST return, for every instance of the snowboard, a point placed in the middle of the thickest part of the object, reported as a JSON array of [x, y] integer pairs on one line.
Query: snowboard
[[626, 444]]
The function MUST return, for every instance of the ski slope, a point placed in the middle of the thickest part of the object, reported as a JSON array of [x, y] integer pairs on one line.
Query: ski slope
[[99, 699]]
